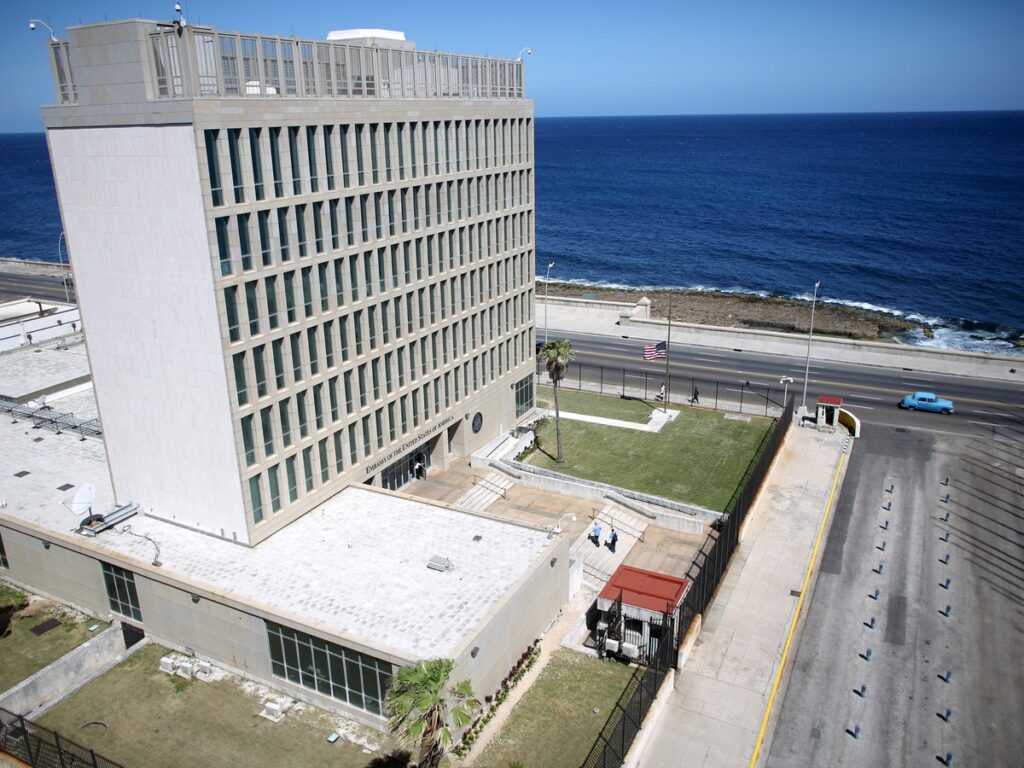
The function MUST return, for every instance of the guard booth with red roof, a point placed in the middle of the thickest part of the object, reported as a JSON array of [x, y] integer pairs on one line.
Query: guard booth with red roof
[[828, 411], [633, 606]]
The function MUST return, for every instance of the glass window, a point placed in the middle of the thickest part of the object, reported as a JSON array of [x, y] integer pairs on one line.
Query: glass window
[[275, 490], [307, 467], [4, 563], [293, 489], [257, 161], [234, 136], [293, 154], [247, 442], [223, 245], [213, 166], [256, 496], [121, 592], [231, 310], [349, 676], [275, 160], [267, 424], [286, 425], [241, 387]]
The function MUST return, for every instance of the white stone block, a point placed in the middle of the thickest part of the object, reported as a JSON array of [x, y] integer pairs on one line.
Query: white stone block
[[167, 665], [184, 670], [272, 711]]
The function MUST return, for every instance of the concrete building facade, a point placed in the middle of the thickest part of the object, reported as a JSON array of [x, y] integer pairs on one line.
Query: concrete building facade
[[300, 264], [303, 268]]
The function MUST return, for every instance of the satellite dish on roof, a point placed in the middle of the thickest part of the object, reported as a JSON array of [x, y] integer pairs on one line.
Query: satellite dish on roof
[[84, 497]]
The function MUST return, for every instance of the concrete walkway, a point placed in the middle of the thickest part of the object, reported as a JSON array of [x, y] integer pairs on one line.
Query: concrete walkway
[[659, 419], [714, 712]]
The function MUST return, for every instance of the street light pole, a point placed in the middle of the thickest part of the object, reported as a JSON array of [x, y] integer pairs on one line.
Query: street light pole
[[547, 281], [64, 277], [785, 381], [810, 334]]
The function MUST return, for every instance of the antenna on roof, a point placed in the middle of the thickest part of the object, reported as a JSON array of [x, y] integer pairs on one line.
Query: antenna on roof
[[84, 498]]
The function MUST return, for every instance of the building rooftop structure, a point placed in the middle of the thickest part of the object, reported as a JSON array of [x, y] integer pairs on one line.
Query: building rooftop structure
[[193, 61]]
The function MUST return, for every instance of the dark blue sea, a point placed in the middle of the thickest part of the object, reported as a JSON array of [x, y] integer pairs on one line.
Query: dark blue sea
[[919, 215]]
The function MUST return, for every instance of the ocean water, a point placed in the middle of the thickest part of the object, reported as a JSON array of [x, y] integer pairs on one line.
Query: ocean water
[[919, 215]]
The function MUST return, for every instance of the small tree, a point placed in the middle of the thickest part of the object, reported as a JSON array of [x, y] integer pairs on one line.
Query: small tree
[[423, 710], [557, 354]]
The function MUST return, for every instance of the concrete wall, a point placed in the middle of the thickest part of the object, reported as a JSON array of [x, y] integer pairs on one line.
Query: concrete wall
[[521, 617], [66, 674], [132, 205]]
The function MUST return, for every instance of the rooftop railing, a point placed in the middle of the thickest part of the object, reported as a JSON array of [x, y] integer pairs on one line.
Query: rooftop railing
[[198, 62]]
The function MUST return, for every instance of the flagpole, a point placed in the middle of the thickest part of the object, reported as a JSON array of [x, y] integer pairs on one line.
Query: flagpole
[[668, 344]]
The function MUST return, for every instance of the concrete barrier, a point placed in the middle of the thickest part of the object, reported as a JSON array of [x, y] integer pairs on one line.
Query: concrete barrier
[[74, 669]]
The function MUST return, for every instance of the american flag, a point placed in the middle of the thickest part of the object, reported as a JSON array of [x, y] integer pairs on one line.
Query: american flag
[[657, 351]]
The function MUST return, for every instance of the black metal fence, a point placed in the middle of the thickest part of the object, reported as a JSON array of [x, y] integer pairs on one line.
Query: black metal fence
[[627, 715], [42, 748], [739, 396], [705, 574]]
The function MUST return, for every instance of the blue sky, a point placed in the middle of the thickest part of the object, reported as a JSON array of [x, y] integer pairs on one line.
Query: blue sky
[[643, 57]]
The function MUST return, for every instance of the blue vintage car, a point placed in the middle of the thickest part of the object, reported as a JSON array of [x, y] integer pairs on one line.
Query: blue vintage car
[[926, 401]]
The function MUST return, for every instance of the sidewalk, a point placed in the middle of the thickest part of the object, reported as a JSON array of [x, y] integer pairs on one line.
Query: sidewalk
[[714, 712]]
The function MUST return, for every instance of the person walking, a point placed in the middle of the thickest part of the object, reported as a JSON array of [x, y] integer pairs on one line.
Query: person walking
[[695, 400], [597, 534], [661, 394], [613, 539]]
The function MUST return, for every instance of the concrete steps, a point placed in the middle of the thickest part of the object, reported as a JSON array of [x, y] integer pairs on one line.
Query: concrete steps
[[485, 491], [599, 562]]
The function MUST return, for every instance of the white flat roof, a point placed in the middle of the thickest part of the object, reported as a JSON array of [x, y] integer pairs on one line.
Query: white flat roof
[[28, 370], [355, 567]]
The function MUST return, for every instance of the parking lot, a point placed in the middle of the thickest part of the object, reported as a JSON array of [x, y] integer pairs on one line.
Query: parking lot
[[911, 651]]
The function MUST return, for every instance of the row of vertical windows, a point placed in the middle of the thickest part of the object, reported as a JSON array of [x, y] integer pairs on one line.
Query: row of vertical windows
[[302, 356], [263, 306], [253, 162], [337, 424], [3, 555], [250, 240], [329, 669]]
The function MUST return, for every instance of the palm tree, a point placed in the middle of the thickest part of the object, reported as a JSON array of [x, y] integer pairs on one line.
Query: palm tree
[[423, 710], [557, 354]]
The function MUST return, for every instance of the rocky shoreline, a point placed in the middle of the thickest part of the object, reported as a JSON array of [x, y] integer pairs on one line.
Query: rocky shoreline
[[734, 310]]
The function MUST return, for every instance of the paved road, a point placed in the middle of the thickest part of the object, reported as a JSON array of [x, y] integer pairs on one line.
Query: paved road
[[902, 713], [17, 286], [868, 391]]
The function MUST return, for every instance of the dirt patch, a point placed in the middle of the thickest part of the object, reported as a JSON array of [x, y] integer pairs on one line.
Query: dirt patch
[[733, 310]]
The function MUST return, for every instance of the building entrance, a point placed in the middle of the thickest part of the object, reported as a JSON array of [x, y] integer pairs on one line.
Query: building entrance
[[413, 465]]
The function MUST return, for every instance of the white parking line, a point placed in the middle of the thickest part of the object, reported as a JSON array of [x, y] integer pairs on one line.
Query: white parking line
[[860, 407], [866, 397], [986, 423], [914, 382]]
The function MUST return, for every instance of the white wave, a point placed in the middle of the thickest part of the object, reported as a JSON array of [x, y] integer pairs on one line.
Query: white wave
[[948, 337]]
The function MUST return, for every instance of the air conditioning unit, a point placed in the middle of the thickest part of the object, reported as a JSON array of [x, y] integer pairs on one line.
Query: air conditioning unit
[[438, 563], [629, 650], [611, 646]]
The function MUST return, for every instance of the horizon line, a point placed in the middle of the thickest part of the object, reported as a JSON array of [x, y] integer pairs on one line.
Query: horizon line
[[728, 114]]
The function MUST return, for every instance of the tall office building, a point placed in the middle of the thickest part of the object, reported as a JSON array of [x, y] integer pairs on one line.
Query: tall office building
[[301, 264]]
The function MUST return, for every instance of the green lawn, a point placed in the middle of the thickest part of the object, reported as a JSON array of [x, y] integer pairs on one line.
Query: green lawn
[[154, 720], [22, 654], [554, 725], [700, 458], [592, 404]]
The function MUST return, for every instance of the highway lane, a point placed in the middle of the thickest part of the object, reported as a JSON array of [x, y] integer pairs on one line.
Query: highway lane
[[14, 285], [870, 392]]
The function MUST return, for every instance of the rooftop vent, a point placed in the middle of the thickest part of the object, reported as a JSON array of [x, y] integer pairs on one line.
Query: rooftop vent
[[438, 563]]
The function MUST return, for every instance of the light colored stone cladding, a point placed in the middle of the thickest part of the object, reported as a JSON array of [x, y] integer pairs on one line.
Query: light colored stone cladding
[[444, 185], [393, 293]]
